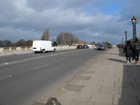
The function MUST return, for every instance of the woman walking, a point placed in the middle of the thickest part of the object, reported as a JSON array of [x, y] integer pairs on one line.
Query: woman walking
[[128, 52]]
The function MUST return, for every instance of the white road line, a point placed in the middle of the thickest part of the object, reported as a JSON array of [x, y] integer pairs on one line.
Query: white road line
[[19, 61], [6, 77]]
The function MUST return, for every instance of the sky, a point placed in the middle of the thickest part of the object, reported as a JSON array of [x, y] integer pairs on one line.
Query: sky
[[89, 20]]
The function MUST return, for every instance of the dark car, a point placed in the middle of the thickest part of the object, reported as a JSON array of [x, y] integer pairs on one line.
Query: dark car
[[79, 46], [109, 46], [101, 47], [85, 46]]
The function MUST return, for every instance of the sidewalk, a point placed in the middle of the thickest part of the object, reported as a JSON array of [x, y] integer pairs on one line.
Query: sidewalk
[[108, 81]]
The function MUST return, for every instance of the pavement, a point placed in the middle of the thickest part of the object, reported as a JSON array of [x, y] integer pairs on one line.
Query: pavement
[[108, 80]]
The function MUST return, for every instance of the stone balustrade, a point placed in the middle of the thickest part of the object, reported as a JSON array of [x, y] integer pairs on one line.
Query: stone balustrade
[[27, 48]]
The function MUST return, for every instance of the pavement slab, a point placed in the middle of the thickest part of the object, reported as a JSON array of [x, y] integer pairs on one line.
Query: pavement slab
[[83, 77], [102, 98], [113, 79], [101, 104], [124, 84], [91, 89], [109, 90], [75, 102], [73, 87], [84, 96], [106, 83]]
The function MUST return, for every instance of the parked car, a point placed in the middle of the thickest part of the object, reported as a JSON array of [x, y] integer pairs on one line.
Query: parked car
[[85, 46], [109, 46], [101, 47], [79, 46]]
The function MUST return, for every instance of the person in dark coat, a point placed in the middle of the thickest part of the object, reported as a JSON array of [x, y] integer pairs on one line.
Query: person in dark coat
[[128, 52], [136, 47]]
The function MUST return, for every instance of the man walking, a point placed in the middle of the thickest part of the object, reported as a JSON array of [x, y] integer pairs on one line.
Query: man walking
[[136, 47]]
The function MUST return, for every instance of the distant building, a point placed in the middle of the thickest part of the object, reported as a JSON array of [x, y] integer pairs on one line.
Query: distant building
[[114, 46]]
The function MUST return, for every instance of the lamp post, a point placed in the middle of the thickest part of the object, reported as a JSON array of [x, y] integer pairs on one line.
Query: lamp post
[[122, 40], [71, 42], [125, 37], [134, 21]]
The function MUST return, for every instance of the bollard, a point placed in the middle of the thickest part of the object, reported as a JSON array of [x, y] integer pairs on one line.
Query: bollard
[[18, 49], [25, 48], [10, 49], [1, 50]]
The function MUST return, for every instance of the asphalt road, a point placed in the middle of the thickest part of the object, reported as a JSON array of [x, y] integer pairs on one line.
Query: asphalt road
[[26, 78]]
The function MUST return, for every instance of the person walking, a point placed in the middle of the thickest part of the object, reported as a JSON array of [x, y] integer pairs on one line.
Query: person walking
[[136, 47], [128, 52]]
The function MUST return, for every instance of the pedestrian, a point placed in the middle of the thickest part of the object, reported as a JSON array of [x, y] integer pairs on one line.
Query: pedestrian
[[136, 47], [128, 52]]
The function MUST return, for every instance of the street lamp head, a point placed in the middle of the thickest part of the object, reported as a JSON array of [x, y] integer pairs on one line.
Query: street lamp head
[[134, 20], [126, 32]]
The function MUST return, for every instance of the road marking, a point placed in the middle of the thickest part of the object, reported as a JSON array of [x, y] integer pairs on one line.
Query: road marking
[[41, 66], [6, 63], [46, 65], [24, 60], [6, 77], [10, 76]]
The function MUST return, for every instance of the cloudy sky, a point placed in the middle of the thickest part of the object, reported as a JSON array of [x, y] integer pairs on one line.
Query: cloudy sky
[[89, 20]]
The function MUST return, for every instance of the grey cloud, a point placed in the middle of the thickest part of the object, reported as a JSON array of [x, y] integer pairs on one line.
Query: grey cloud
[[10, 33], [132, 7], [29, 18], [40, 5]]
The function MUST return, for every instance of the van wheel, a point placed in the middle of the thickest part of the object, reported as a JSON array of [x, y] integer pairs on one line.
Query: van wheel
[[43, 51], [54, 50]]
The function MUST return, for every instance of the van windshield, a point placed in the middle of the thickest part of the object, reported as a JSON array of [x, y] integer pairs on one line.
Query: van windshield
[[100, 45]]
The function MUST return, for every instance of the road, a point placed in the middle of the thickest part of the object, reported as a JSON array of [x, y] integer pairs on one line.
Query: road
[[26, 78]]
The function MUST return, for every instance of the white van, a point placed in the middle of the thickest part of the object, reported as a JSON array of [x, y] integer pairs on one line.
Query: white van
[[43, 46]]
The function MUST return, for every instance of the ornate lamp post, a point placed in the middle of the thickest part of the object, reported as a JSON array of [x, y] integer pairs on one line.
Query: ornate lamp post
[[134, 21], [122, 40], [125, 37]]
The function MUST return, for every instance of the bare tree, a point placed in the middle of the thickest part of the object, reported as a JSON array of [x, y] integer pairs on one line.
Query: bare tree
[[45, 35], [59, 38], [21, 42], [93, 43], [29, 43], [5, 43], [66, 38]]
